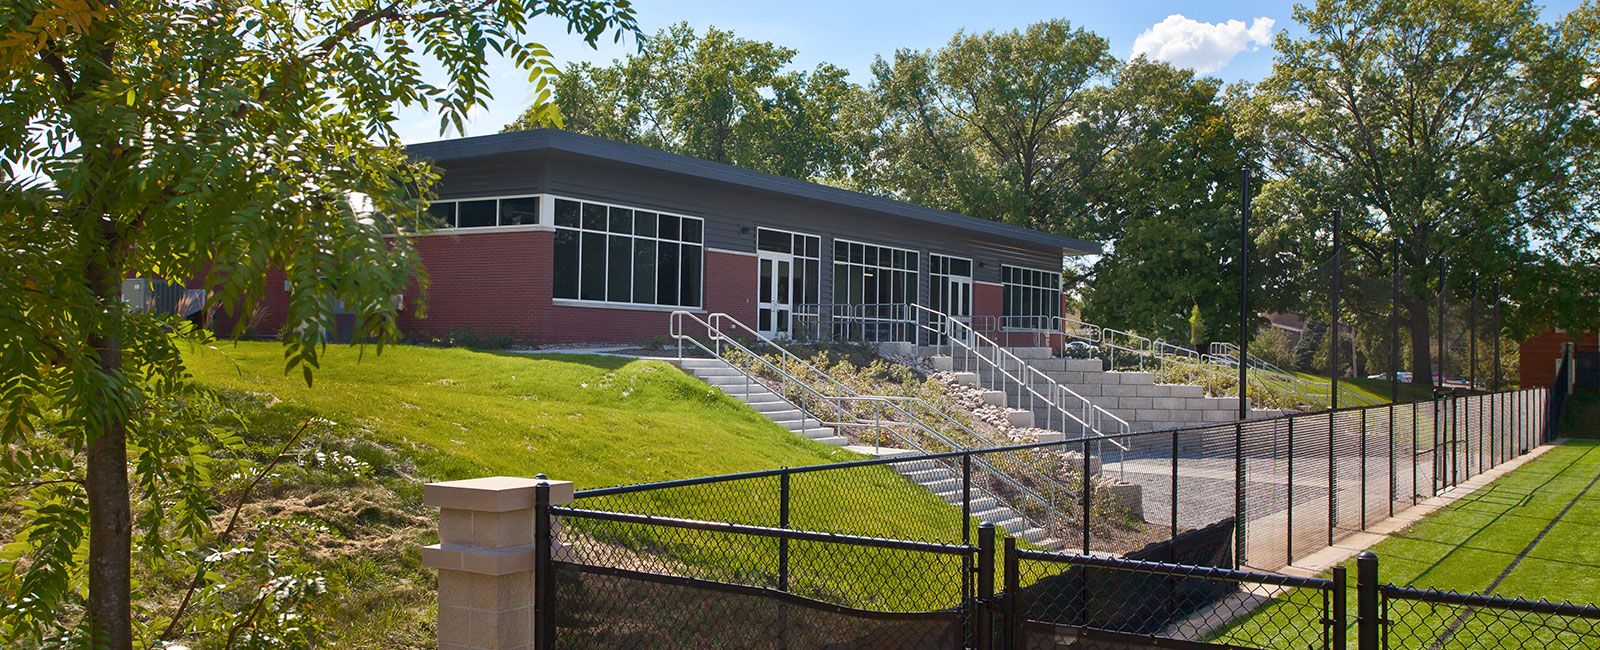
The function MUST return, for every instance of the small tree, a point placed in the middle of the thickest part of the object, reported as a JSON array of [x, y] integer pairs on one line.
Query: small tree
[[1197, 327], [218, 140]]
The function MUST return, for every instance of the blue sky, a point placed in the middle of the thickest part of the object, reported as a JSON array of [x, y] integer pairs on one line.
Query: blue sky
[[851, 33]]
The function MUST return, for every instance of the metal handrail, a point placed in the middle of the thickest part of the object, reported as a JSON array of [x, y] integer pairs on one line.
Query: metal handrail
[[899, 401], [720, 338], [908, 318], [1031, 374]]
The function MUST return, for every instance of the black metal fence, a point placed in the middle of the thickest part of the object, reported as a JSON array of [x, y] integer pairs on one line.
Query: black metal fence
[[1292, 484], [617, 580], [889, 552]]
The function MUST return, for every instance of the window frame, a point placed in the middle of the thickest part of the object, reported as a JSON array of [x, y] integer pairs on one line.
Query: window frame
[[538, 224], [914, 296], [1007, 285], [580, 230]]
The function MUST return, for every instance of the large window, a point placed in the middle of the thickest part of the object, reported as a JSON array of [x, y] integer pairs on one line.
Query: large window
[[867, 274], [485, 213], [1032, 297], [608, 253]]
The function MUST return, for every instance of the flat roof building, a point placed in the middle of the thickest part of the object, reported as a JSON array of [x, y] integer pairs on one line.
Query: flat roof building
[[554, 237]]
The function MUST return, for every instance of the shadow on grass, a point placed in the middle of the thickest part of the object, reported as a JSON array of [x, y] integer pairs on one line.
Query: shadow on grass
[[1497, 490], [599, 361]]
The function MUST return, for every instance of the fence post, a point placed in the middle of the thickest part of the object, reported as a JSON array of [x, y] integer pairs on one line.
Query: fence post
[[1339, 622], [1363, 466], [1238, 494], [783, 522], [1333, 483], [544, 633], [1415, 411], [1013, 593], [1172, 542], [1289, 510], [966, 498], [981, 609], [496, 543], [1368, 621], [1087, 488]]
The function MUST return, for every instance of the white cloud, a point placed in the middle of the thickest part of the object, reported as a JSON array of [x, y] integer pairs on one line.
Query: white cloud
[[1204, 47]]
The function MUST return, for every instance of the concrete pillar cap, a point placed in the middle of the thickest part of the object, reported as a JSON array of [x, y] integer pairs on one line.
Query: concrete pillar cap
[[493, 493]]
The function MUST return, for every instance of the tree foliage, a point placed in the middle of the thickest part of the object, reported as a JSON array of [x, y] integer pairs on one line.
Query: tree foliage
[[715, 96], [207, 142], [1459, 131]]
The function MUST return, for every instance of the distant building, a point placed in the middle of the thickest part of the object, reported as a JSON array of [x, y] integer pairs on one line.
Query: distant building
[[1540, 355]]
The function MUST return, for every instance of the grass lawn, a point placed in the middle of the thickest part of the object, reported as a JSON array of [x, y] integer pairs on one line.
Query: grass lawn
[[1467, 546], [1368, 390], [600, 421]]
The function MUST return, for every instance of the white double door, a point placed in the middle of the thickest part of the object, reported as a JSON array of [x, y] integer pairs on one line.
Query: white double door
[[775, 302]]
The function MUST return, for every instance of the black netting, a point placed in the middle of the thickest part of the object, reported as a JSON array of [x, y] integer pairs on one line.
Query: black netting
[[632, 610]]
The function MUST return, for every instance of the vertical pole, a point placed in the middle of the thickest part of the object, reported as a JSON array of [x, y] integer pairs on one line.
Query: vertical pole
[[783, 522], [543, 583], [1333, 486], [1367, 621], [1087, 488], [1289, 539], [1013, 593], [1394, 322], [1496, 330], [1441, 363], [1438, 464], [1333, 310], [966, 498], [1472, 336], [1172, 545], [985, 629], [1363, 467], [1414, 430], [1244, 296], [1238, 494], [1392, 407], [1338, 623]]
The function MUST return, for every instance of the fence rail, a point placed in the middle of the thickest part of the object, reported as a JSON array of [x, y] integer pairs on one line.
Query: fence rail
[[847, 555]]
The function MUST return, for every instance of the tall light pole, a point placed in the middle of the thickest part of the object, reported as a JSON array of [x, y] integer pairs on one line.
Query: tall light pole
[[1244, 295], [1333, 311]]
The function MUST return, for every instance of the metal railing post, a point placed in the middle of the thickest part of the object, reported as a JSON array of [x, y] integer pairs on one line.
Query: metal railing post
[[1415, 411], [1368, 621], [544, 583], [783, 522], [1336, 624], [981, 611]]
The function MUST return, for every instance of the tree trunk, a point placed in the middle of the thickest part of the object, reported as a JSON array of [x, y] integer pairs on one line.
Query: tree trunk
[[110, 520], [1421, 331]]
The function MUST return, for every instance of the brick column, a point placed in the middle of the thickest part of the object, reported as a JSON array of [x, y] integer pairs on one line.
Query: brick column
[[485, 558]]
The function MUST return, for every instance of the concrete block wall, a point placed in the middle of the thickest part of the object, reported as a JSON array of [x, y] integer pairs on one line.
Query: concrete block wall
[[1132, 396]]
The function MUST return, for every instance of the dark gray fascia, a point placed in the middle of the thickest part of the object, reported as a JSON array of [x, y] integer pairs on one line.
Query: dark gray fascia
[[629, 154]]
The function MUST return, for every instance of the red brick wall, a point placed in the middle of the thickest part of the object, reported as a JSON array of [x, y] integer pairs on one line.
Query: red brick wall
[[273, 309], [1538, 356], [492, 282]]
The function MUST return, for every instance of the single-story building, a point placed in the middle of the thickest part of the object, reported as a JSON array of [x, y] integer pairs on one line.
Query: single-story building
[[554, 237]]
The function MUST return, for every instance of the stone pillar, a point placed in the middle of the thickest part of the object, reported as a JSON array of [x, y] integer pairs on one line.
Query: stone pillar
[[485, 558]]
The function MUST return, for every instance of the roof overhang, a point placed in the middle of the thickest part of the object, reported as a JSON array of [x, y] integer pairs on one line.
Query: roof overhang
[[566, 142]]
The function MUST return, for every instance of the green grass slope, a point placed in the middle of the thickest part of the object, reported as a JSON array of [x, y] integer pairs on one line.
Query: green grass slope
[[592, 420]]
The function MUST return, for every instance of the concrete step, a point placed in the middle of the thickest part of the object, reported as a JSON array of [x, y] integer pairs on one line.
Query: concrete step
[[837, 441], [723, 371], [768, 407]]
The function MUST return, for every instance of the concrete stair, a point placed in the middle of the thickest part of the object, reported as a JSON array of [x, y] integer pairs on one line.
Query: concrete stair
[[1131, 395], [946, 484], [730, 380]]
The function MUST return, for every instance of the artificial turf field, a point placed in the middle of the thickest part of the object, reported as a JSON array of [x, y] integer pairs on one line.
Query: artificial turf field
[[1532, 534]]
